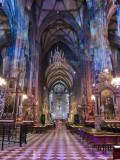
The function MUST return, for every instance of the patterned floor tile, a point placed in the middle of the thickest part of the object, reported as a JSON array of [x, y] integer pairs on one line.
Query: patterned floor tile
[[53, 145]]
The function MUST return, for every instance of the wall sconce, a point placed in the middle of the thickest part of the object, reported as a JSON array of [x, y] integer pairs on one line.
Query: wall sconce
[[2, 82], [106, 70], [116, 82], [24, 97], [93, 98]]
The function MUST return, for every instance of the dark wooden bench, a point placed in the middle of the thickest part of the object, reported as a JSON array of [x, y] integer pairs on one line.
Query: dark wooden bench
[[100, 140], [116, 152]]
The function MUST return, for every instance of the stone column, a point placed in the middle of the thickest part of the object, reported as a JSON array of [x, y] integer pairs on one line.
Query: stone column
[[97, 113]]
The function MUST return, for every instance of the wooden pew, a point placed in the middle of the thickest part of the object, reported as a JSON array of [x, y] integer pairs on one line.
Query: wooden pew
[[116, 152], [100, 140]]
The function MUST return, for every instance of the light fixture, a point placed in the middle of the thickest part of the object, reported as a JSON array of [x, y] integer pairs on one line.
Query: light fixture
[[79, 106], [2, 82], [106, 70], [93, 84], [74, 72], [24, 97], [93, 97], [116, 82], [36, 102]]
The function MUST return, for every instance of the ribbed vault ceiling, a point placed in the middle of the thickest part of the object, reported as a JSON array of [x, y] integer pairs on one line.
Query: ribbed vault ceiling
[[59, 71], [59, 31], [57, 20], [62, 73], [5, 31], [113, 36]]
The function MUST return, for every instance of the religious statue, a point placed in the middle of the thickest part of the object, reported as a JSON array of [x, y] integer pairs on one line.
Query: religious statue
[[109, 108]]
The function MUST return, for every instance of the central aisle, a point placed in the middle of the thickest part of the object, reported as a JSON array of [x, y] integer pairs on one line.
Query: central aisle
[[57, 144]]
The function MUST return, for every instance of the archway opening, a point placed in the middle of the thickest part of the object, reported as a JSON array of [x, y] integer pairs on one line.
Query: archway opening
[[59, 77], [59, 101]]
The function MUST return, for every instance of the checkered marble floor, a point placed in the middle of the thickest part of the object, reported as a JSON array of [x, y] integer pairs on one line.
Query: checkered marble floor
[[57, 144]]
